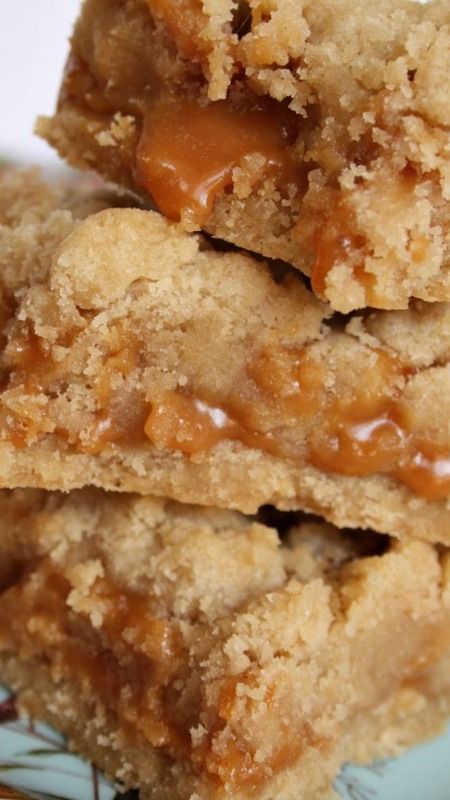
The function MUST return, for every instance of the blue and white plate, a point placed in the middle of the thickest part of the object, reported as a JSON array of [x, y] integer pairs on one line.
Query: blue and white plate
[[34, 758]]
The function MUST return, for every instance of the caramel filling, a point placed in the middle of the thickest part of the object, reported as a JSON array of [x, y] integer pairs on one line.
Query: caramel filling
[[232, 759], [187, 152], [182, 422], [121, 414], [283, 406], [366, 435], [32, 371], [337, 242]]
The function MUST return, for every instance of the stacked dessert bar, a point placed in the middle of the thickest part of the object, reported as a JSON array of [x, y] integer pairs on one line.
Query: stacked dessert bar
[[225, 549]]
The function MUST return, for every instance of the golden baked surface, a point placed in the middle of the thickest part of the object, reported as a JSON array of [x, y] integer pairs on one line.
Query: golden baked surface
[[135, 357], [191, 653], [316, 131]]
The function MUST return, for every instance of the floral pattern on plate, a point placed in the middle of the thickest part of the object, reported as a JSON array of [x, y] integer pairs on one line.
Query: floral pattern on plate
[[34, 759]]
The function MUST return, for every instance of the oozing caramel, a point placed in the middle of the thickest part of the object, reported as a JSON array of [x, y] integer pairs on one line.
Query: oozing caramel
[[336, 241], [335, 238], [365, 435], [187, 152], [283, 406], [182, 422]]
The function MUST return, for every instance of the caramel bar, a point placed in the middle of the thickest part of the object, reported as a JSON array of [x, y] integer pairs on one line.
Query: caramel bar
[[137, 358], [189, 653], [316, 132]]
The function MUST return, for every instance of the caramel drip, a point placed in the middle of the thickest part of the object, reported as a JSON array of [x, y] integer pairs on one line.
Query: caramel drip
[[335, 242], [187, 152]]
